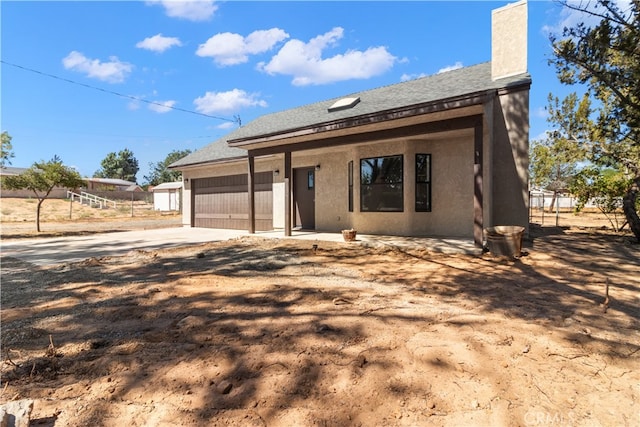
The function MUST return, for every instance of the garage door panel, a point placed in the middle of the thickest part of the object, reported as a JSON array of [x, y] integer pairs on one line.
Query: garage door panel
[[223, 202]]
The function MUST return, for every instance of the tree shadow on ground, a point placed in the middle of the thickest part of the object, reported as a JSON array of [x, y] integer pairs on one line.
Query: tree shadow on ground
[[253, 326]]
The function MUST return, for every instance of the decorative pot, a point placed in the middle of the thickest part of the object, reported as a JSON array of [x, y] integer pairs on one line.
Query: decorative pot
[[349, 235]]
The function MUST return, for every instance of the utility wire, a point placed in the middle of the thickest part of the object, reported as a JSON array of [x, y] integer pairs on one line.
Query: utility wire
[[235, 120], [82, 133]]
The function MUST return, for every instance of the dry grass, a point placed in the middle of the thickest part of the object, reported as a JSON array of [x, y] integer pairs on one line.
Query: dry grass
[[24, 210], [60, 217]]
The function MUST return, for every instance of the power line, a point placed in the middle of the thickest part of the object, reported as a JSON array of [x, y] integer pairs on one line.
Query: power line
[[102, 134], [235, 120]]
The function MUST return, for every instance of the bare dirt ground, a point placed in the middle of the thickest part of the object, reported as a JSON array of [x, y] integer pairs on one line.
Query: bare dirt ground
[[256, 332]]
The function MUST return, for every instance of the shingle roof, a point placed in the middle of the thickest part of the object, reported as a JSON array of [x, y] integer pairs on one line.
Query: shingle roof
[[168, 186], [10, 170], [111, 181], [451, 84], [216, 151]]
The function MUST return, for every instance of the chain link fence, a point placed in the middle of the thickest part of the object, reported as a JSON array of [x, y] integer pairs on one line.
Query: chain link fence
[[560, 211]]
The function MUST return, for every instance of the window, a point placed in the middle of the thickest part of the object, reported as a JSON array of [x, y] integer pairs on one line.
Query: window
[[310, 180], [381, 184], [423, 182], [351, 186]]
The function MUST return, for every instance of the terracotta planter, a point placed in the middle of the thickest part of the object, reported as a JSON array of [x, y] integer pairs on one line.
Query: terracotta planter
[[349, 235]]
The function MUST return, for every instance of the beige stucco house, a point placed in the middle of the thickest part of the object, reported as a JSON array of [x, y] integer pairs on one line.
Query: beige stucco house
[[444, 155]]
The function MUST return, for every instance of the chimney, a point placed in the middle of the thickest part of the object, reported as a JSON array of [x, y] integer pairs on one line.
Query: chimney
[[509, 40]]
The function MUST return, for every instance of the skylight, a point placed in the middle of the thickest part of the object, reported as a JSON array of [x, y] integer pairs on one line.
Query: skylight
[[344, 104]]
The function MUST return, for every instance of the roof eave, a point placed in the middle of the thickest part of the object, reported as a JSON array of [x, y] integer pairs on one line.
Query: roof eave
[[206, 162], [475, 98]]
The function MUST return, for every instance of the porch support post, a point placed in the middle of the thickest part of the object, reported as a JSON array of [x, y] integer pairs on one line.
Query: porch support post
[[478, 222], [192, 200], [251, 190], [287, 193]]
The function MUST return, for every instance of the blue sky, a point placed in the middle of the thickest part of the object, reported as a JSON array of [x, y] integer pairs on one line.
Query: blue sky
[[81, 79]]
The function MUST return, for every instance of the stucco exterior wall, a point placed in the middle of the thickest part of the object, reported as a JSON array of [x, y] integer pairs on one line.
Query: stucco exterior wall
[[452, 182], [278, 205], [510, 162], [332, 190], [509, 40], [452, 189]]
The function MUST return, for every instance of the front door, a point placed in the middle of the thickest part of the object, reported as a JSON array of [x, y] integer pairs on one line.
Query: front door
[[304, 198]]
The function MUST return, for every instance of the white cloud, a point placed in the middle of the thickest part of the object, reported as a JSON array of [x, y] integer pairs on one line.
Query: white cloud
[[159, 43], [232, 49], [541, 136], [406, 77], [455, 66], [541, 112], [304, 61], [162, 106], [192, 10], [133, 105], [226, 125], [114, 71], [227, 102]]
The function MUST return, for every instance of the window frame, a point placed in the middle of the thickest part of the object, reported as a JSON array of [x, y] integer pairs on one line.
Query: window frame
[[425, 182], [350, 181], [365, 189]]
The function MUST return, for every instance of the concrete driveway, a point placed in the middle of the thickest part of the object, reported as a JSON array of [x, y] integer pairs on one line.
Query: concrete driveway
[[57, 250]]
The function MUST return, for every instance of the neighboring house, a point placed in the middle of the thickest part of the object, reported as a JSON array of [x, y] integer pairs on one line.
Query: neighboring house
[[111, 184], [11, 171], [444, 155], [166, 196], [56, 193]]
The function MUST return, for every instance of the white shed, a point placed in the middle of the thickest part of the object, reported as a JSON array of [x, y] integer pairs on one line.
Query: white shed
[[166, 196]]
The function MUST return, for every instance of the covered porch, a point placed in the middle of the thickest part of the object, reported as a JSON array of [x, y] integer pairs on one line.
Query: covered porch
[[391, 136]]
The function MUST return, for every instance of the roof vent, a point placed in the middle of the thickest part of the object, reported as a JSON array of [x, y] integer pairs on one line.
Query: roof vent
[[344, 104]]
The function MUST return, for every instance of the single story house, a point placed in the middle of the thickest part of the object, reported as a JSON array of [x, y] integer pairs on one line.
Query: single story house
[[444, 155], [166, 196], [56, 193], [11, 171]]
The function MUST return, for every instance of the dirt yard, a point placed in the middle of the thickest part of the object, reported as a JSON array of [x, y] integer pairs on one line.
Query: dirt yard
[[255, 332], [61, 218]]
